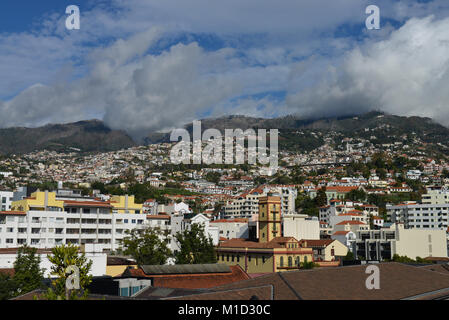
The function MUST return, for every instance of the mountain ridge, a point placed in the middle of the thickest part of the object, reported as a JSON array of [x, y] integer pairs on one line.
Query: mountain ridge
[[95, 136]]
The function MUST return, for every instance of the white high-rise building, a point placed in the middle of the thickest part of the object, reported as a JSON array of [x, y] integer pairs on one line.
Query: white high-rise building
[[6, 200]]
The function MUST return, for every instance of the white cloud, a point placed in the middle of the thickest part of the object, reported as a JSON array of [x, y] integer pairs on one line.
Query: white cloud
[[406, 74], [105, 70]]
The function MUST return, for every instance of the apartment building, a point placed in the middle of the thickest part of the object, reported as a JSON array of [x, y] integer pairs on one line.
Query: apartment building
[[48, 219], [301, 226], [247, 204], [339, 210], [232, 228], [420, 216], [6, 198], [244, 206], [384, 243], [440, 196]]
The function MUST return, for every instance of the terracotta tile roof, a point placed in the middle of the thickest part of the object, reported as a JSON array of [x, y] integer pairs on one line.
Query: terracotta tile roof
[[341, 188], [317, 243], [12, 213], [159, 216], [351, 213], [240, 220], [351, 222], [340, 233], [244, 243], [191, 281]]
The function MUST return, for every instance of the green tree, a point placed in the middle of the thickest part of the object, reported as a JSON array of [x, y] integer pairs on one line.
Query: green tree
[[356, 195], [147, 246], [195, 246], [308, 265], [61, 258], [213, 177], [28, 275], [307, 206], [8, 287], [321, 198], [349, 256]]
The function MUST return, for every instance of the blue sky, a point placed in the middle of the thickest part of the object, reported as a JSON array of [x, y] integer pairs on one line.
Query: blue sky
[[21, 15], [143, 65]]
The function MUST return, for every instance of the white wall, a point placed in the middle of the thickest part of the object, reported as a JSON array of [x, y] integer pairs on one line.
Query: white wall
[[5, 200], [98, 268], [296, 225], [420, 243]]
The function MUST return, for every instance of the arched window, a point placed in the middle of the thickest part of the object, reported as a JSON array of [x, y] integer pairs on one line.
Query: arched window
[[281, 262], [305, 258], [298, 261], [290, 261]]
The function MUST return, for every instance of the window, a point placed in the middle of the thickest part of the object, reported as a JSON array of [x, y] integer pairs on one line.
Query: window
[[124, 292], [290, 261], [135, 290], [281, 262]]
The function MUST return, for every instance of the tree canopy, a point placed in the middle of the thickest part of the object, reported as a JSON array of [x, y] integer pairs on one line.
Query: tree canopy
[[195, 246], [147, 246]]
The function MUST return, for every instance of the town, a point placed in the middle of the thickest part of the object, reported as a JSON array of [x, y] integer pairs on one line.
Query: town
[[196, 230]]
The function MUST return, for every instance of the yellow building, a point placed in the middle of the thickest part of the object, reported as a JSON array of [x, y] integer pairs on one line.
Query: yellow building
[[272, 253], [269, 218], [47, 201], [125, 204], [39, 201]]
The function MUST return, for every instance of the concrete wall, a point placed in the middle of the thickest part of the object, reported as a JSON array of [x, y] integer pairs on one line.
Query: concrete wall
[[420, 243], [99, 261], [298, 227]]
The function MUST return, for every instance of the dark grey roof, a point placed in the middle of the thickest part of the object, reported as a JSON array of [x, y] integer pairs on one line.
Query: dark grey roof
[[152, 293], [186, 268]]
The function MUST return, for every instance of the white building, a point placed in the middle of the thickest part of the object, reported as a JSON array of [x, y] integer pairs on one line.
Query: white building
[[6, 198], [383, 244], [436, 197], [420, 216], [182, 208], [301, 226], [46, 229], [209, 229], [232, 228], [99, 260]]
